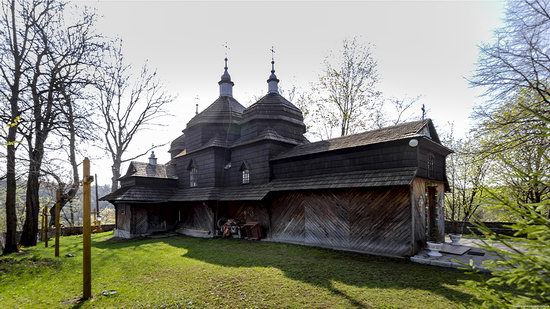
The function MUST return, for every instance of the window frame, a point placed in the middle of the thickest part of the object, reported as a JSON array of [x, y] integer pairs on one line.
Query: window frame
[[431, 166], [245, 179], [193, 177]]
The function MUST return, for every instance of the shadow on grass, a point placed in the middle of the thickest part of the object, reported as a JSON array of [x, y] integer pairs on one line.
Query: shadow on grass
[[316, 266]]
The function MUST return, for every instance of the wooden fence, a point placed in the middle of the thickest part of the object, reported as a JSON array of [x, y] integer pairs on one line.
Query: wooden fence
[[65, 231], [470, 228]]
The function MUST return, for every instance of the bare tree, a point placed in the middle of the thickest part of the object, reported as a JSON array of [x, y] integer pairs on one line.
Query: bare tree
[[347, 94], [17, 24], [128, 105], [400, 110], [516, 64], [61, 59]]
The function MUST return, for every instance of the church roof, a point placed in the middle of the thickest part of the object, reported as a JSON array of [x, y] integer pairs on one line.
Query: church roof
[[178, 144], [142, 169], [224, 109], [268, 134], [397, 132], [274, 106], [359, 179]]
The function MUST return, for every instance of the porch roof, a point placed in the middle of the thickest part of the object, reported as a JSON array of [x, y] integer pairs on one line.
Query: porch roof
[[359, 179]]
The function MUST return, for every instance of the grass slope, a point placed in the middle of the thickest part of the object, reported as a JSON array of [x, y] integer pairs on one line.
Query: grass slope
[[190, 272]]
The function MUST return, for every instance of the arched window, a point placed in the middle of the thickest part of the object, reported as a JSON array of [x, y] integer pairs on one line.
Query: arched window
[[245, 170], [193, 174]]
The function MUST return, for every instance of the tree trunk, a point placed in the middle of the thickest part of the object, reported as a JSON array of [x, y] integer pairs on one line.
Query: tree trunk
[[10, 245], [116, 175], [32, 205]]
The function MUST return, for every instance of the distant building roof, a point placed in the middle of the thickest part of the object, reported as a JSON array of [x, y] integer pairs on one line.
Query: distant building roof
[[400, 131]]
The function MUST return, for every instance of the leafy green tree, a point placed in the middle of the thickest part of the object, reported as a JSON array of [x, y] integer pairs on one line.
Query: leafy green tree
[[514, 127], [466, 172]]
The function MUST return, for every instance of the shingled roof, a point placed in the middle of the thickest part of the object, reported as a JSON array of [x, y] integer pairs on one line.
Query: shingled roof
[[359, 179], [401, 131], [140, 194], [142, 169], [274, 106], [222, 110]]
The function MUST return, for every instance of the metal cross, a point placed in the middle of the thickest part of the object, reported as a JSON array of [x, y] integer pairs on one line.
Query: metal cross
[[423, 112], [272, 53], [226, 48]]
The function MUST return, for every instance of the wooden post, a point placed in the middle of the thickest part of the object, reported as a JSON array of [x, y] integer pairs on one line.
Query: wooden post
[[57, 220], [86, 232], [45, 226], [97, 216]]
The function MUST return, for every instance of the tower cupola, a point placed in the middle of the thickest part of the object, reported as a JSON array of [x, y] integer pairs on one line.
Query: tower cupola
[[272, 82], [226, 85], [153, 159]]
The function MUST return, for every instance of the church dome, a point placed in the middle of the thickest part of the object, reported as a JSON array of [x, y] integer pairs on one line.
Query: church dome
[[224, 110], [275, 113], [273, 106]]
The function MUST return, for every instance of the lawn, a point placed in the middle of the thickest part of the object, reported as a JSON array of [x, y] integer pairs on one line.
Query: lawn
[[182, 271]]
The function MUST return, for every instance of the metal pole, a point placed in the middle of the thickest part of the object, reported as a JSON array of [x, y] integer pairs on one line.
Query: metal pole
[[57, 220], [86, 232]]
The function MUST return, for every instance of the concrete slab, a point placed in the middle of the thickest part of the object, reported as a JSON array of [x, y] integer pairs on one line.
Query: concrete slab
[[456, 250], [472, 254]]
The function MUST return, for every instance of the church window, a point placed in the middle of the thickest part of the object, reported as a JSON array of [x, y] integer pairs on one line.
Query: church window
[[246, 176], [431, 169], [193, 174], [193, 177], [245, 172]]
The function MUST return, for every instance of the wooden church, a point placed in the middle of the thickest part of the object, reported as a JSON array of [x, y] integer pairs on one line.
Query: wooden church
[[251, 173]]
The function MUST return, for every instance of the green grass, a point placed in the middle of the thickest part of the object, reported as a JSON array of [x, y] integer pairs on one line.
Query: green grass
[[190, 272]]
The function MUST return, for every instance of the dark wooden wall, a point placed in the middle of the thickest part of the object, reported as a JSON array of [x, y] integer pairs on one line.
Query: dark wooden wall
[[123, 217], [425, 149], [388, 155], [373, 221], [205, 161], [257, 156], [197, 216], [286, 129]]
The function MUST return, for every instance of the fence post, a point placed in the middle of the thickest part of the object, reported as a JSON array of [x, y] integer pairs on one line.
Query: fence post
[[45, 226], [86, 232], [57, 220]]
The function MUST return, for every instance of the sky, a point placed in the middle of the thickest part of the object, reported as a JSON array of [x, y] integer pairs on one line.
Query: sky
[[423, 48]]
